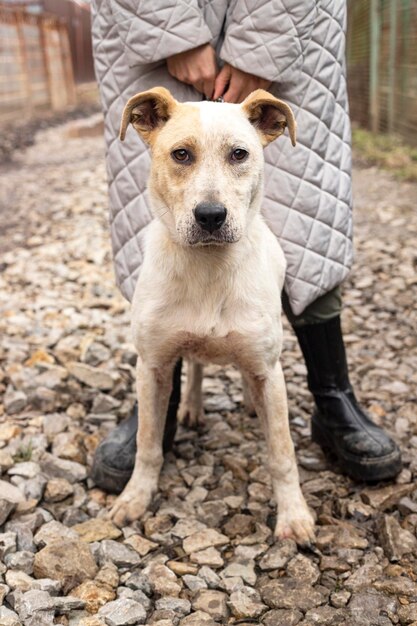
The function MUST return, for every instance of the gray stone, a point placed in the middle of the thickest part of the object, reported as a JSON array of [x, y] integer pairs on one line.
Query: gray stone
[[194, 583], [186, 527], [6, 508], [7, 544], [14, 401], [246, 602], [212, 602], [139, 581], [28, 469], [123, 613], [210, 577], [198, 618], [8, 617], [10, 493], [396, 541], [304, 569], [22, 561], [34, 488], [326, 616], [179, 606], [120, 554], [70, 562], [55, 467], [245, 569], [278, 556], [91, 376], [367, 608], [53, 532], [288, 593], [339, 599], [282, 617]]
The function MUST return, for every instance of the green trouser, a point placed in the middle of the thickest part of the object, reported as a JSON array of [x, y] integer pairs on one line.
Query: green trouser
[[324, 308]]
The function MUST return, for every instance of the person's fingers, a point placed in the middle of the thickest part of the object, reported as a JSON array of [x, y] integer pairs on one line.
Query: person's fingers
[[221, 82], [208, 88]]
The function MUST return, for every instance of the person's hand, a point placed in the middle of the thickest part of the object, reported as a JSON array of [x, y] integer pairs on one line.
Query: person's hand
[[233, 85], [196, 67]]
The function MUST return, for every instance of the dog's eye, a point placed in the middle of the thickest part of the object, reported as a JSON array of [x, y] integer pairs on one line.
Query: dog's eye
[[181, 155], [239, 154]]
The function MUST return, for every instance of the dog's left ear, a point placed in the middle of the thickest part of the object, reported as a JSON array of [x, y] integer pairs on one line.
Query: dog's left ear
[[269, 115], [147, 112]]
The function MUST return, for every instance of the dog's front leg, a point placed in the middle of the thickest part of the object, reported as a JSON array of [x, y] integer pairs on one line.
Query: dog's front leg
[[270, 399], [153, 387]]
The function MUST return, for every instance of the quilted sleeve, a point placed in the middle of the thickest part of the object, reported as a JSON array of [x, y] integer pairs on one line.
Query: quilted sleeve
[[152, 31], [267, 37]]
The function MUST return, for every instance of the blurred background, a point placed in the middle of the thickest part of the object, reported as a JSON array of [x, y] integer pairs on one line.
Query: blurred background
[[46, 59]]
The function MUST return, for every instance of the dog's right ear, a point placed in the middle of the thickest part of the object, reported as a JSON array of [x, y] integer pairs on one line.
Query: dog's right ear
[[147, 112]]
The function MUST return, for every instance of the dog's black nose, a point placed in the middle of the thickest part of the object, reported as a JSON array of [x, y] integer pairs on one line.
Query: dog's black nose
[[210, 215]]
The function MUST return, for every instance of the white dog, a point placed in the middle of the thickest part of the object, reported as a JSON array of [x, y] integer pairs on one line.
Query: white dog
[[210, 286]]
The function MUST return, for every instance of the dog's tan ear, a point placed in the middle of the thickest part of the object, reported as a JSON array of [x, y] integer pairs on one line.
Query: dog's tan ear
[[147, 112], [269, 115]]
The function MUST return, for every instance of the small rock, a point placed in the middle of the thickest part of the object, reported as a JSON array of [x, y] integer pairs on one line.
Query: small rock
[[278, 556], [120, 554], [210, 557], [339, 599], [6, 508], [282, 617], [212, 602], [97, 529], [53, 532], [246, 602], [22, 561], [387, 497], [243, 568], [10, 493], [288, 593], [94, 595], [9, 431], [204, 539], [186, 527], [302, 568], [198, 618], [14, 401], [177, 605], [8, 617], [123, 613], [91, 376], [55, 467], [141, 545], [58, 489], [68, 561], [194, 583], [7, 544], [396, 541], [180, 568], [28, 469]]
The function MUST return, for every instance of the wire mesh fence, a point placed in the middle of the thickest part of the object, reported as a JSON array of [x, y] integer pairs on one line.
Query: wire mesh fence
[[382, 65]]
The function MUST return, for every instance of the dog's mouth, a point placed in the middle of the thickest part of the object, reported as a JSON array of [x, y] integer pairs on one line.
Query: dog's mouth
[[199, 237]]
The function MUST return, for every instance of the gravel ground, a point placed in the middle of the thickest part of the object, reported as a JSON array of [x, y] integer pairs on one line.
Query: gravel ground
[[205, 553]]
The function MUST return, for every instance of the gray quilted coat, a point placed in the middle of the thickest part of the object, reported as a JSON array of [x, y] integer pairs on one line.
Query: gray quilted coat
[[297, 44]]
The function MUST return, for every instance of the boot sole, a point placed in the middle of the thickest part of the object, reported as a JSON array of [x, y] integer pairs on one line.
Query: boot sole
[[369, 470]]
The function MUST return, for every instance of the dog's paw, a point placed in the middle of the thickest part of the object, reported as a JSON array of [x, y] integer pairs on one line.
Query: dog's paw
[[129, 506], [299, 527], [189, 414]]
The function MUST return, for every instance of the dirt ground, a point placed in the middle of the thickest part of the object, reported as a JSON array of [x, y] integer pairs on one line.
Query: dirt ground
[[205, 553]]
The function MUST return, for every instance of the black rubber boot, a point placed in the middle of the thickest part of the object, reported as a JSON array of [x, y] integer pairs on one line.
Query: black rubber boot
[[339, 425], [115, 456]]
